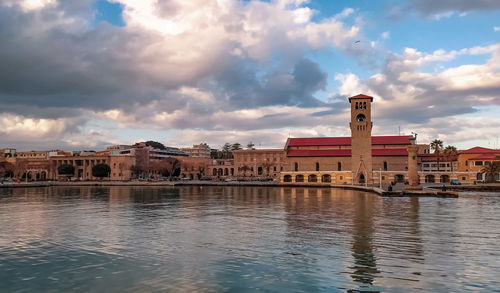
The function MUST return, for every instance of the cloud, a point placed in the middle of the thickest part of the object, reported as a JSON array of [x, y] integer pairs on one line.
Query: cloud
[[496, 28], [25, 133], [431, 7], [431, 102], [441, 9]]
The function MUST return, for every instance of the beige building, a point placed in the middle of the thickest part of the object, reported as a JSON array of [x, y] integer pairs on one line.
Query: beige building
[[201, 150]]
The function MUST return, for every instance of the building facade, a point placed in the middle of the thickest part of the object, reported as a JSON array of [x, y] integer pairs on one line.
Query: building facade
[[201, 150], [361, 158]]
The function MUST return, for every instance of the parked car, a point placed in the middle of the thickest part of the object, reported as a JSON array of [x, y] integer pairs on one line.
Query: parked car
[[455, 182]]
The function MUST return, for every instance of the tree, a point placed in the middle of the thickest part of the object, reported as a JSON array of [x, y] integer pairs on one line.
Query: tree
[[170, 167], [137, 170], [226, 150], [101, 170], [66, 169], [491, 170], [6, 169], [436, 145], [244, 168], [450, 154], [250, 146], [20, 168], [236, 146], [155, 144]]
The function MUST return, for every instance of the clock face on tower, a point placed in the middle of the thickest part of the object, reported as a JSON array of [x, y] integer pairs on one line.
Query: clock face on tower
[[361, 118]]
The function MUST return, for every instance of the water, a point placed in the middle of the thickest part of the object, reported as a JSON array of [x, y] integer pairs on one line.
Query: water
[[236, 239]]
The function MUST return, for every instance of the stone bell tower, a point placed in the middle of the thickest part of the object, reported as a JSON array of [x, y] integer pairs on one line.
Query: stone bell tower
[[361, 139]]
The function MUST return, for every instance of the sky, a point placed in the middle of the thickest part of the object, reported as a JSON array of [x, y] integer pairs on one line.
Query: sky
[[85, 74]]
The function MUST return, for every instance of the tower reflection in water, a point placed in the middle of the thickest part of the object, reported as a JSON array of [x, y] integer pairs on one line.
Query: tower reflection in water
[[364, 269]]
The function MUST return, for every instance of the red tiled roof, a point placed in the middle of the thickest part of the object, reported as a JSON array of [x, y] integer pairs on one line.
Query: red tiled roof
[[343, 141], [389, 152], [479, 150], [344, 153], [320, 141], [361, 96], [490, 156], [319, 153]]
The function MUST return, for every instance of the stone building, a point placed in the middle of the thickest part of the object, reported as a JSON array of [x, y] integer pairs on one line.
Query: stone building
[[201, 150], [259, 163], [193, 167], [359, 159]]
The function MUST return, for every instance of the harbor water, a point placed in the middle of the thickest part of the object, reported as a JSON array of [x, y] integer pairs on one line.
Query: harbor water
[[245, 239]]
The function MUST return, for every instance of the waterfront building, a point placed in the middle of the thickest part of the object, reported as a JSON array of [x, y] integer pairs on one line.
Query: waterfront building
[[7, 153], [361, 158], [193, 167], [474, 159], [201, 150], [32, 155], [259, 163]]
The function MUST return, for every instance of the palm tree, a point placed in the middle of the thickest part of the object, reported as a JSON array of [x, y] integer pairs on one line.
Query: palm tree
[[491, 170], [450, 155], [436, 145]]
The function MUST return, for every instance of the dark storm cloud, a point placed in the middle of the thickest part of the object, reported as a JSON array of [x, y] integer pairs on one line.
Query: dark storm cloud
[[47, 64], [247, 87]]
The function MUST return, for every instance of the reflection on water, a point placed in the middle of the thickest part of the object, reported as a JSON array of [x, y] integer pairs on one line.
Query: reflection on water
[[156, 239]]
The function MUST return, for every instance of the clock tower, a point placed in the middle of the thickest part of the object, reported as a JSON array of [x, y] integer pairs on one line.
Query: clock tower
[[361, 139]]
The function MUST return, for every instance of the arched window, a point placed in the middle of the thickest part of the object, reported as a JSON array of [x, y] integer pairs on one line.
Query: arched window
[[356, 105], [317, 166], [312, 178], [339, 166], [364, 105], [361, 118], [296, 167], [385, 166], [299, 178], [326, 178], [287, 178]]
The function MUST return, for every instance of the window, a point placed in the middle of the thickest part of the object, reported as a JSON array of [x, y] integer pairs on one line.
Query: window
[[317, 166], [385, 166], [361, 118], [356, 105], [466, 163], [426, 166], [296, 167], [364, 105], [479, 163], [463, 178], [339, 167]]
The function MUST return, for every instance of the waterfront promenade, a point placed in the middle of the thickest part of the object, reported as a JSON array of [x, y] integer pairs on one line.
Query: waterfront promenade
[[428, 191]]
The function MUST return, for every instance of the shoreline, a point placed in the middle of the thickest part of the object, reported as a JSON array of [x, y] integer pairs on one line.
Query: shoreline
[[426, 192]]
